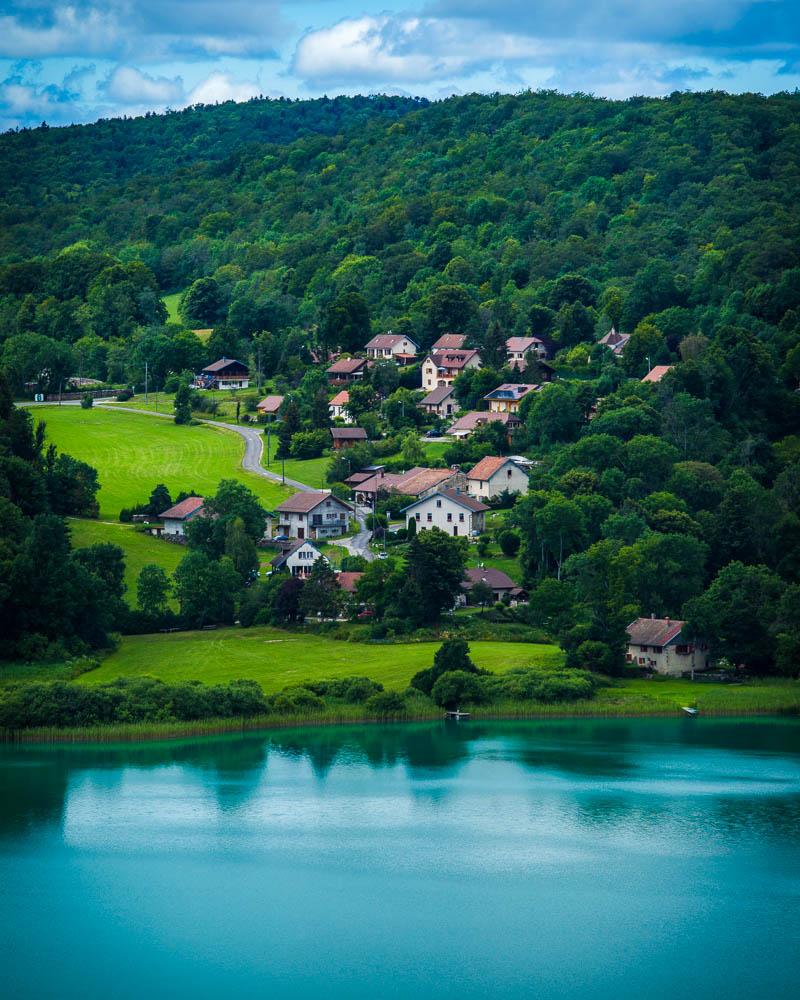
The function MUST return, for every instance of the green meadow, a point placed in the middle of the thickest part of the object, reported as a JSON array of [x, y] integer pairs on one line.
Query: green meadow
[[133, 452], [278, 658]]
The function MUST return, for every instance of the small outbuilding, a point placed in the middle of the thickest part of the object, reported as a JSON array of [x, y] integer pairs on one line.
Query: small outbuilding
[[174, 518]]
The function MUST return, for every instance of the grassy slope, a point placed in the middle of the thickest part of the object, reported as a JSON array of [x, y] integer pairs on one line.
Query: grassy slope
[[171, 302], [139, 548], [132, 453], [276, 659]]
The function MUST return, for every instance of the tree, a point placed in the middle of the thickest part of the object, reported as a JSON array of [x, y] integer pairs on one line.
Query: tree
[[736, 615], [456, 688], [231, 501], [449, 308], [72, 485], [160, 500], [362, 397], [553, 415], [346, 322], [494, 351], [435, 565], [290, 424], [561, 527], [152, 590], [202, 304], [183, 404], [321, 596], [286, 608], [106, 561], [411, 451], [240, 549], [481, 594], [451, 656], [206, 589], [509, 543]]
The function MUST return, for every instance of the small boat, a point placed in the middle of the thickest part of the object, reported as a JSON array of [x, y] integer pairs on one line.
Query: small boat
[[457, 714], [688, 710]]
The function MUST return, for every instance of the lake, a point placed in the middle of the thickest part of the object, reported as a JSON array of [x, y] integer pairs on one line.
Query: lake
[[577, 858]]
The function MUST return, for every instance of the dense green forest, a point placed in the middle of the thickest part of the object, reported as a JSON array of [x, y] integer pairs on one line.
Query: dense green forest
[[290, 226]]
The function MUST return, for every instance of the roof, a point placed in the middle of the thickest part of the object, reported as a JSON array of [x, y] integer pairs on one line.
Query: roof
[[420, 479], [281, 558], [348, 434], [346, 366], [487, 467], [384, 340], [653, 631], [223, 363], [511, 390], [437, 395], [614, 339], [496, 579], [452, 359], [348, 581], [341, 398], [186, 508], [270, 404], [302, 503], [462, 499], [657, 372], [519, 345], [475, 418], [449, 342]]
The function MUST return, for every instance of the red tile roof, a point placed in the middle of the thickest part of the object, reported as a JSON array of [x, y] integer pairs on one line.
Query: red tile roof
[[270, 404], [384, 340], [340, 399], [519, 345], [475, 418], [348, 581], [186, 508], [487, 467], [452, 359], [653, 631], [348, 434], [449, 342], [302, 503], [497, 579], [437, 395], [657, 372], [346, 366]]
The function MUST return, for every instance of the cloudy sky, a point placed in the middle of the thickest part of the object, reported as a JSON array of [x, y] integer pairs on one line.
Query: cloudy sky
[[85, 59]]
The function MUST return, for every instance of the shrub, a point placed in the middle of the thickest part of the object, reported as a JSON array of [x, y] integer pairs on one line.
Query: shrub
[[124, 395], [87, 401], [387, 705], [456, 687], [509, 543]]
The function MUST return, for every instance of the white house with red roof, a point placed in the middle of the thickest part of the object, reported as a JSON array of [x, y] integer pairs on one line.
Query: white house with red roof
[[518, 349], [494, 475], [444, 367], [392, 347], [615, 342], [658, 644], [657, 372], [174, 518], [338, 406], [298, 560], [449, 342], [453, 512], [312, 514]]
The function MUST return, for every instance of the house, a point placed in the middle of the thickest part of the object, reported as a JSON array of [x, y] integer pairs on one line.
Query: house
[[494, 475], [502, 585], [658, 644], [392, 347], [615, 342], [346, 370], [313, 514], [443, 367], [441, 402], [518, 349], [298, 559], [338, 405], [449, 342], [345, 437], [657, 372], [414, 483], [469, 422], [269, 406], [227, 373], [174, 518], [455, 513], [506, 398]]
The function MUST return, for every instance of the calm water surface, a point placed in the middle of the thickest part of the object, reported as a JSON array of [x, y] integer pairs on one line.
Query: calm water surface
[[612, 859]]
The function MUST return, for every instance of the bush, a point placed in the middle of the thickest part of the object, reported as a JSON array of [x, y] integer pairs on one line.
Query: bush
[[509, 543], [294, 700], [87, 401], [309, 444], [387, 705], [124, 395], [457, 687], [352, 690]]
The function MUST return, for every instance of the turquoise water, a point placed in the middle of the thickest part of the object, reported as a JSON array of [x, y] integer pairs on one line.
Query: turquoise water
[[591, 859]]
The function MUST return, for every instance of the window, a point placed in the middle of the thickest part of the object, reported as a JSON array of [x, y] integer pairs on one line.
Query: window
[[416, 516], [449, 517], [438, 503], [430, 517], [508, 474], [461, 517]]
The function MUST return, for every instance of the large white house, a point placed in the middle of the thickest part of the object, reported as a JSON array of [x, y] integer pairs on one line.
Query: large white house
[[299, 559], [455, 513], [658, 644], [174, 519], [494, 475], [519, 349], [392, 347], [312, 514], [443, 367]]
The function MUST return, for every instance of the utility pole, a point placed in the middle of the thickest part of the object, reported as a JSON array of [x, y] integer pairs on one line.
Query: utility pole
[[145, 381]]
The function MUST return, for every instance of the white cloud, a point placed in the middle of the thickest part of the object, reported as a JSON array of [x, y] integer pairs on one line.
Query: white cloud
[[222, 87], [130, 86]]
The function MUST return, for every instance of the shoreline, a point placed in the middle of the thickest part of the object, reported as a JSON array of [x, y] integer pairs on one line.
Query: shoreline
[[153, 732]]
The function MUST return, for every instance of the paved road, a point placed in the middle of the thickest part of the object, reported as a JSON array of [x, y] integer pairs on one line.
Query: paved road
[[358, 545]]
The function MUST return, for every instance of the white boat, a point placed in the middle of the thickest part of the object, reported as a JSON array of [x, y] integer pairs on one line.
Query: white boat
[[688, 710], [457, 714]]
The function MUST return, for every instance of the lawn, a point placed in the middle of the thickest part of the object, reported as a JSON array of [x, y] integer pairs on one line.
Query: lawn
[[277, 658], [495, 559], [133, 452], [139, 548], [311, 471], [172, 302]]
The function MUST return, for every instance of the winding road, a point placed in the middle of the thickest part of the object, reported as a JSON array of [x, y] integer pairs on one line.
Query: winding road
[[251, 462]]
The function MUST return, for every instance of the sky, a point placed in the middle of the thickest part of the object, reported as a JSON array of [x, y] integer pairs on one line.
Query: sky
[[82, 60]]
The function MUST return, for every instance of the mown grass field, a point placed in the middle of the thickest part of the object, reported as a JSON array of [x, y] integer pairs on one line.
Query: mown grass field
[[139, 548], [171, 302], [133, 452], [277, 658]]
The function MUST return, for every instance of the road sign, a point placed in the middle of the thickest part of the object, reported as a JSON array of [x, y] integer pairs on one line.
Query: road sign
[[39, 397]]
